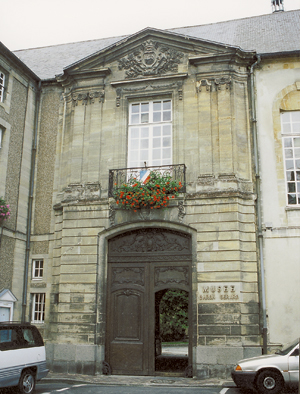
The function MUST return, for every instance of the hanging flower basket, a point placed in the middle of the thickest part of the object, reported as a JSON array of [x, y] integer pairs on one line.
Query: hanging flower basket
[[4, 211], [155, 192]]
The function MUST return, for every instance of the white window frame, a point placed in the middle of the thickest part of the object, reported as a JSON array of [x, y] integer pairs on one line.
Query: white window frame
[[38, 307], [37, 269], [2, 86], [148, 119], [290, 128]]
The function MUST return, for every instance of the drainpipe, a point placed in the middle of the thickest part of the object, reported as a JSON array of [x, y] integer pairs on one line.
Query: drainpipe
[[30, 201], [258, 206]]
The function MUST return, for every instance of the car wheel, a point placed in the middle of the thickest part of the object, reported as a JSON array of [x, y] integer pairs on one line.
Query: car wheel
[[269, 382], [27, 382]]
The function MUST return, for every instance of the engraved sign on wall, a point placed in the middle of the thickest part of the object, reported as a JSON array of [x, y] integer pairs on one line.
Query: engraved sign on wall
[[219, 292]]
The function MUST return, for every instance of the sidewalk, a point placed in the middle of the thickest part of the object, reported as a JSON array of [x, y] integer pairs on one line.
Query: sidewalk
[[121, 380]]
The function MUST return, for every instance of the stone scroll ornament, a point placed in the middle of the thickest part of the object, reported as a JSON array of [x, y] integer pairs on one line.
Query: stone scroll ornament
[[151, 58]]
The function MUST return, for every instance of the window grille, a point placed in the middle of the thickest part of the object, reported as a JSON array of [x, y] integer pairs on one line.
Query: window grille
[[38, 308]]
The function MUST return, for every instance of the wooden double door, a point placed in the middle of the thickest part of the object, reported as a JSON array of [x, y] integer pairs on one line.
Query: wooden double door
[[141, 264]]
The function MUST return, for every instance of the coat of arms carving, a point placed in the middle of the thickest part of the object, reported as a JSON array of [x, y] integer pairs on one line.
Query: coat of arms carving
[[151, 58]]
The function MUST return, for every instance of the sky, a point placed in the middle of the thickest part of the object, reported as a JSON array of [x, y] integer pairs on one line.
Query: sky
[[38, 23]]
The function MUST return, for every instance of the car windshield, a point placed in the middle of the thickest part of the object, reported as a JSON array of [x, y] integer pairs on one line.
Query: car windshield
[[287, 348]]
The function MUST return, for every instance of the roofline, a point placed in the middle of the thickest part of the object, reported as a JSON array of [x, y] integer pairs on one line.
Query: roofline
[[13, 58], [281, 54]]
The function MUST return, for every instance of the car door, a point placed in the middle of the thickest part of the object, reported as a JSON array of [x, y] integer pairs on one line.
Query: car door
[[294, 366]]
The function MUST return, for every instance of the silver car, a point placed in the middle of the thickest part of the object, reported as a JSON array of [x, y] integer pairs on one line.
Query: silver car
[[270, 373]]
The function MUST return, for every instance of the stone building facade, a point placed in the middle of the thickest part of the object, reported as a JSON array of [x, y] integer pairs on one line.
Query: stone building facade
[[96, 271]]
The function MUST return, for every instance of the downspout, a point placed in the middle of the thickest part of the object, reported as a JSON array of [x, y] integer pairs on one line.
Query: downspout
[[30, 201], [258, 205]]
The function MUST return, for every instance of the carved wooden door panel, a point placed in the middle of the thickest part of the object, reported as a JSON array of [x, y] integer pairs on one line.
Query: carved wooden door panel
[[140, 263], [127, 333]]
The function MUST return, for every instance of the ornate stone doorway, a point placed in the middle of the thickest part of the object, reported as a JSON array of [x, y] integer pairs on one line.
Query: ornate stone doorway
[[141, 263]]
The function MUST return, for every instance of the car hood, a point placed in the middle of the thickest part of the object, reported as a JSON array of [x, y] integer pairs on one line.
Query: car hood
[[262, 360]]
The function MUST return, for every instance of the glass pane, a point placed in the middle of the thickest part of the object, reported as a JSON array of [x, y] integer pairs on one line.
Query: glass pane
[[292, 198], [145, 118], [290, 176], [298, 175], [296, 128], [166, 153], [145, 144], [289, 164], [297, 142], [157, 106], [134, 133], [288, 142], [144, 132], [134, 144], [166, 142], [298, 187], [297, 162], [297, 153], [144, 155], [166, 116], [285, 117], [156, 154], [157, 131], [156, 116], [286, 128], [288, 153], [167, 104], [134, 155], [135, 108], [134, 119], [295, 115], [156, 143], [145, 107], [166, 130], [291, 187]]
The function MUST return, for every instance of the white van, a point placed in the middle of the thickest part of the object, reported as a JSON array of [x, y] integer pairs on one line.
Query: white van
[[22, 356]]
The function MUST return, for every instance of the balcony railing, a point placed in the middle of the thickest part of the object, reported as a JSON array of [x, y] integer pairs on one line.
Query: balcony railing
[[120, 176]]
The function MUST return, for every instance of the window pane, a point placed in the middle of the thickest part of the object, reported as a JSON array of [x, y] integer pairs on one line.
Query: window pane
[[157, 106], [297, 162], [157, 131], [297, 142], [167, 130], [298, 187], [291, 187], [134, 133], [298, 175], [166, 116], [166, 142], [296, 128], [134, 144], [145, 107], [134, 119], [285, 117], [167, 104], [157, 117], [290, 176], [286, 128], [144, 155], [145, 118], [144, 144], [156, 154], [144, 132], [156, 143], [166, 153], [297, 153], [289, 164], [287, 142], [295, 115], [292, 198], [289, 153], [135, 108]]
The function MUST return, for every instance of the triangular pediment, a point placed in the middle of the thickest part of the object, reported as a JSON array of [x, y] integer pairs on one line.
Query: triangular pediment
[[7, 296], [149, 51]]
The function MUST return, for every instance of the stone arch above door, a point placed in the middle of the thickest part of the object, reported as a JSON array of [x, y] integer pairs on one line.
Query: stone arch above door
[[150, 244]]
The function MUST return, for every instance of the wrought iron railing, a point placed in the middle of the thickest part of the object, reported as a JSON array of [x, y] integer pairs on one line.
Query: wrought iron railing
[[120, 176]]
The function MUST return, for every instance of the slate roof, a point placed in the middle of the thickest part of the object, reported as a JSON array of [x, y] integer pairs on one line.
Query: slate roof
[[271, 33]]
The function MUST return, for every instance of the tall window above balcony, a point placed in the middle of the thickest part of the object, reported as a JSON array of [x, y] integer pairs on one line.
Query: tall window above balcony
[[290, 127], [150, 133]]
